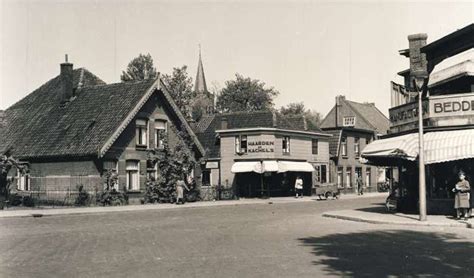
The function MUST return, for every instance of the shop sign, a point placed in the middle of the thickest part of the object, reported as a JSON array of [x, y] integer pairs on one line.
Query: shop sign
[[452, 106], [407, 113], [212, 165], [261, 146]]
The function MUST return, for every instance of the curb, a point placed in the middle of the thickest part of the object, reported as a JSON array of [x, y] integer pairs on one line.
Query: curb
[[401, 223]]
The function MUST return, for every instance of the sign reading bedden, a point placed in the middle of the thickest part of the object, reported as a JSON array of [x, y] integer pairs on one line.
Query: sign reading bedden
[[261, 147], [452, 106]]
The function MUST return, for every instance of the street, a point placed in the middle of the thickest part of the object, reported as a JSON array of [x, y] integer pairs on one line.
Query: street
[[261, 240]]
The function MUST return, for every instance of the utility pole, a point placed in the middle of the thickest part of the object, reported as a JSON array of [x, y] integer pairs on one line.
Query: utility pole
[[418, 84]]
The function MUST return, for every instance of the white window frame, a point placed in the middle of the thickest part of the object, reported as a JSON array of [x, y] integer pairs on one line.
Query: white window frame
[[344, 146], [133, 186], [159, 144], [349, 121], [349, 177], [313, 141], [368, 176], [142, 133], [340, 177], [238, 144], [23, 181], [287, 149], [357, 146]]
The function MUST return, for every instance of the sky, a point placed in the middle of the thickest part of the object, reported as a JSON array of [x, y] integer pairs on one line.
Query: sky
[[310, 51]]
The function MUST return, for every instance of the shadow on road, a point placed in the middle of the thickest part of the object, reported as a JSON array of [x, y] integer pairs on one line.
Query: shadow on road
[[396, 253]]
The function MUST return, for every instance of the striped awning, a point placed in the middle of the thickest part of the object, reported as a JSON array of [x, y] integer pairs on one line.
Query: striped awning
[[439, 146]]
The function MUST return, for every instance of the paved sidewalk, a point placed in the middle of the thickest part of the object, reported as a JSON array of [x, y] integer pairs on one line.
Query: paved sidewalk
[[39, 212], [378, 215]]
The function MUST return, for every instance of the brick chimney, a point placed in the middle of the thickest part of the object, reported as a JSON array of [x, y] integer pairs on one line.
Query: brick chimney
[[339, 100], [418, 63], [223, 123], [66, 78]]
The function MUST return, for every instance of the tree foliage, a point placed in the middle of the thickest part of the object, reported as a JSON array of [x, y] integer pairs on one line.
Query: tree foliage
[[7, 162], [245, 94], [298, 108], [173, 163], [180, 86], [140, 68]]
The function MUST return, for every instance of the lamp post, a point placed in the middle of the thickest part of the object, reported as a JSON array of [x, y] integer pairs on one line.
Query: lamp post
[[418, 84]]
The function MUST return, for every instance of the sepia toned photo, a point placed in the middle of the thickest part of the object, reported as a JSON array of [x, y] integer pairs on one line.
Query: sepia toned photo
[[236, 138]]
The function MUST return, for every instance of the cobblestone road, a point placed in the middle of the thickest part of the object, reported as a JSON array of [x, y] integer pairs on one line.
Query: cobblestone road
[[270, 240]]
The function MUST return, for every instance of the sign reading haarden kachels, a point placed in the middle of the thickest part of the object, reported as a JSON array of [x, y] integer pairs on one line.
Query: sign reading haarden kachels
[[261, 146]]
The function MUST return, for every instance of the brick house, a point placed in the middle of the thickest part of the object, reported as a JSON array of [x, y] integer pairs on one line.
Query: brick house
[[353, 126], [257, 154], [75, 127]]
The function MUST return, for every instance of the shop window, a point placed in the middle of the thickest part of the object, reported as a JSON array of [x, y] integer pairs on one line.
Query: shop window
[[357, 146], [349, 177], [344, 146], [142, 132], [314, 146], [133, 174], [368, 175], [349, 121], [241, 144], [22, 181], [161, 131], [286, 144], [317, 173], [339, 177]]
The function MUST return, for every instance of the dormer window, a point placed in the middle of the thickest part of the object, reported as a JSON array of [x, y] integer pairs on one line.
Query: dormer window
[[142, 132], [349, 121], [241, 144]]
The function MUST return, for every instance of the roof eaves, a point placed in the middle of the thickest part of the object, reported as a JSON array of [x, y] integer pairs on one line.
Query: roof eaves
[[129, 118], [180, 116]]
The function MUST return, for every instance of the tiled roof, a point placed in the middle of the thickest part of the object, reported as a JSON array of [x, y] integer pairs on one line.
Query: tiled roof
[[207, 126], [368, 117], [38, 126], [334, 141], [373, 115]]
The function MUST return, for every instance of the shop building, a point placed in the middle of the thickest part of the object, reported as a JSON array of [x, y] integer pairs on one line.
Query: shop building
[[74, 128], [448, 120], [260, 154], [353, 126]]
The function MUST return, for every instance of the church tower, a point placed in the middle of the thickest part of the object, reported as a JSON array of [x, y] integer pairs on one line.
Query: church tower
[[204, 101]]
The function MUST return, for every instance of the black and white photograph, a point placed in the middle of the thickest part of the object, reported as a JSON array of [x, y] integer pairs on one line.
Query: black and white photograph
[[236, 138]]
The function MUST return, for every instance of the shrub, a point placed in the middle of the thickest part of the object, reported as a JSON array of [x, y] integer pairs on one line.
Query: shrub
[[82, 198]]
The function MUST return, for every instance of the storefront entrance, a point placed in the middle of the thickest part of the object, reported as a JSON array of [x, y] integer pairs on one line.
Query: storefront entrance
[[271, 184]]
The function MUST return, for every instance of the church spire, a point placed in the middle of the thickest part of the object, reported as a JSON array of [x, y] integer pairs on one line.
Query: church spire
[[200, 85]]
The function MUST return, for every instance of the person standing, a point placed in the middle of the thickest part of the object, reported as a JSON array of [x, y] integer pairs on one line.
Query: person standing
[[299, 187], [461, 200], [180, 186], [360, 186]]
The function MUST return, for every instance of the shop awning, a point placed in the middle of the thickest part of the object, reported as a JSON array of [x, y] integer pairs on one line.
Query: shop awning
[[405, 146], [440, 146], [270, 166], [453, 67], [247, 166], [294, 166]]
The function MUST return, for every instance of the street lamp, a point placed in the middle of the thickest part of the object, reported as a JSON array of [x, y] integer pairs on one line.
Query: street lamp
[[418, 83]]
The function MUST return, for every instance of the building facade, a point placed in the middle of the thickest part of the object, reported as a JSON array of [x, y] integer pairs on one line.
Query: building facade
[[353, 126], [448, 120], [260, 154], [75, 128]]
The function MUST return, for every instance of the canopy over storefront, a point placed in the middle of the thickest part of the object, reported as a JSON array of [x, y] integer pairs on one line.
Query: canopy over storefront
[[271, 166], [440, 146], [294, 166]]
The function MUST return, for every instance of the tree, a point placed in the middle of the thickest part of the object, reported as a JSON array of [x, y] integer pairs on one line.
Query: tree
[[173, 163], [7, 162], [245, 94], [180, 86], [298, 108], [140, 68]]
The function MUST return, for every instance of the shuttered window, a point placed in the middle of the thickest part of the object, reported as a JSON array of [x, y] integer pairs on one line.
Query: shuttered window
[[133, 174]]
